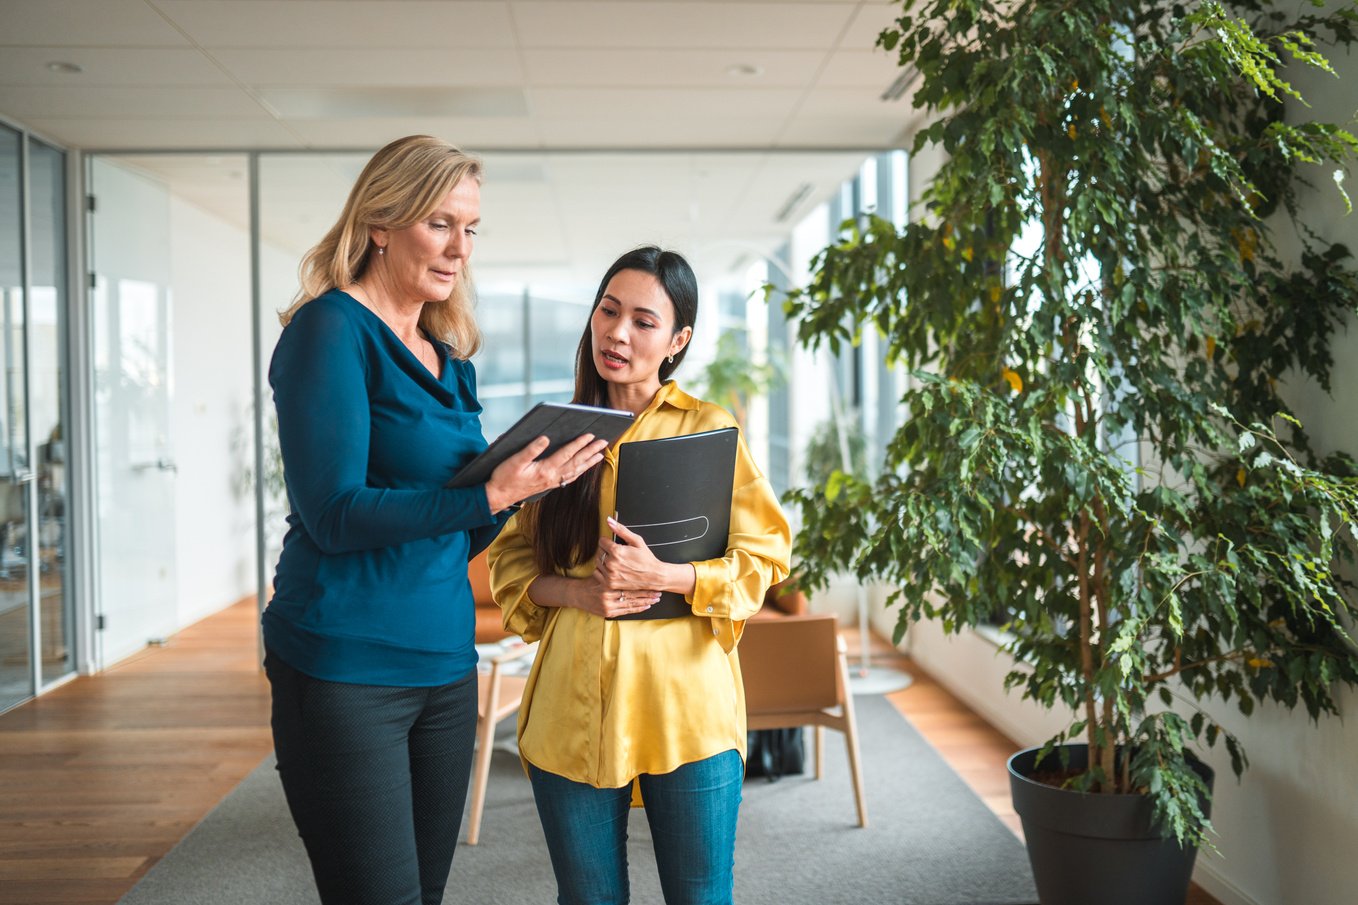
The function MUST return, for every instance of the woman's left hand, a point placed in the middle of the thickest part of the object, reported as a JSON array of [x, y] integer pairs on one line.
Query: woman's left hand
[[627, 564]]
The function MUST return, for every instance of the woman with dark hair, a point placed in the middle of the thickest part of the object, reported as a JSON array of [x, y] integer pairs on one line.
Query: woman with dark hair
[[651, 706], [369, 635]]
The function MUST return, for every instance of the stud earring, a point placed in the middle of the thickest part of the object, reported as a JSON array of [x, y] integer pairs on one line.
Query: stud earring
[[381, 249]]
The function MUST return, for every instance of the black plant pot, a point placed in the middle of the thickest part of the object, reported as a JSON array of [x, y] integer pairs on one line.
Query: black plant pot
[[1101, 849]]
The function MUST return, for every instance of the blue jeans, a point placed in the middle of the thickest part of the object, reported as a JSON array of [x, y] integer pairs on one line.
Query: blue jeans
[[692, 812]]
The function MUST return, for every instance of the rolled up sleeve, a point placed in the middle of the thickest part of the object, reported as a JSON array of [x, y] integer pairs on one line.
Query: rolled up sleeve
[[512, 570]]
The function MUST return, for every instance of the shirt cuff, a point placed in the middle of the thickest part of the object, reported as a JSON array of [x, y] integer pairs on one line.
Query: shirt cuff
[[711, 590]]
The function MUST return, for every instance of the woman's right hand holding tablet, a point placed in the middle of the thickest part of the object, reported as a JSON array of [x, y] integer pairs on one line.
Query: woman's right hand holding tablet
[[523, 475]]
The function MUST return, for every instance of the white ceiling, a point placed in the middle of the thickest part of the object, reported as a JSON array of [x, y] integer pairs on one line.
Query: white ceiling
[[603, 123]]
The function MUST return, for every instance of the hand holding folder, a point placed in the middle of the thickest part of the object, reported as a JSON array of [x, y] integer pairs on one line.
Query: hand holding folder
[[675, 493]]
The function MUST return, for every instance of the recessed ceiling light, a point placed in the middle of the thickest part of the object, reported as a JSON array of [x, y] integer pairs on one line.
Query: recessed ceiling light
[[744, 70], [63, 66]]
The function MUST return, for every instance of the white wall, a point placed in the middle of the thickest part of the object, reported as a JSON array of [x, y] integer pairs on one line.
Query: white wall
[[278, 285], [214, 510], [213, 394], [1285, 832]]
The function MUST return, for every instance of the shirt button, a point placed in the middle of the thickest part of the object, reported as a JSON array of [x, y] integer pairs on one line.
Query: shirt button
[[709, 609], [714, 631]]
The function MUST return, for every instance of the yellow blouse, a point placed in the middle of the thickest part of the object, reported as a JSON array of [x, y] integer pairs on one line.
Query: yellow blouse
[[609, 700]]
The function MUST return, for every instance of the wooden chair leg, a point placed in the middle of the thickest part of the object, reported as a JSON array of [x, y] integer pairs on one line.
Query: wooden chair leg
[[485, 740], [820, 752], [851, 740]]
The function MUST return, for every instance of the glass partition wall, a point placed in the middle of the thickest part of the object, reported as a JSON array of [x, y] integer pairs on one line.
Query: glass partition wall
[[170, 264], [189, 257], [36, 607]]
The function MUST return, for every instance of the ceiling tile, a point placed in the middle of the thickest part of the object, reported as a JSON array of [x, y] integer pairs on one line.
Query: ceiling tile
[[375, 103], [626, 104], [672, 68], [650, 76], [304, 67], [188, 134], [342, 23], [77, 23], [115, 101], [855, 102], [591, 23], [857, 132], [873, 69], [467, 132], [673, 132], [108, 66], [868, 22]]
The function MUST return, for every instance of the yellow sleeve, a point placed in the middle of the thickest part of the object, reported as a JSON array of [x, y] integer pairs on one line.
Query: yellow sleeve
[[512, 570], [731, 589]]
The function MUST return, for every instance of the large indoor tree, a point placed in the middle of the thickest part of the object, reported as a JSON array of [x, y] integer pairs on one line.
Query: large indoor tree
[[1098, 320]]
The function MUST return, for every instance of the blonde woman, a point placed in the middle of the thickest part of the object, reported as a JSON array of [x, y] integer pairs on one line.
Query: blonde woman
[[369, 635]]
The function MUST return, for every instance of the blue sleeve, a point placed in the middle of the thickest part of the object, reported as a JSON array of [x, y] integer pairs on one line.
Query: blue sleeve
[[481, 538], [321, 394]]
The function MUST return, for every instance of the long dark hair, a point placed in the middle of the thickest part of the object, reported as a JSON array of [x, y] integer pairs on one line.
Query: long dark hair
[[563, 526]]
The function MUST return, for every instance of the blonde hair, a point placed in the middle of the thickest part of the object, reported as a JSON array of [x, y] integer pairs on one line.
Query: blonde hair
[[402, 184]]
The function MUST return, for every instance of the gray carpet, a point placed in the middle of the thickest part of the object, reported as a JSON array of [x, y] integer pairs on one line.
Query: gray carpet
[[930, 841]]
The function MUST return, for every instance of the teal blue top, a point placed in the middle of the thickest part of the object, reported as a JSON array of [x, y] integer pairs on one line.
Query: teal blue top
[[371, 587]]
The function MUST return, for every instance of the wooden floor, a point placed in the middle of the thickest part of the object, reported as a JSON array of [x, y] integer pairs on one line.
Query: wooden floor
[[100, 778]]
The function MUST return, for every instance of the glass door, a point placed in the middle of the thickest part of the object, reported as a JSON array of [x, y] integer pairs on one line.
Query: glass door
[[16, 477], [36, 608], [134, 444], [47, 404]]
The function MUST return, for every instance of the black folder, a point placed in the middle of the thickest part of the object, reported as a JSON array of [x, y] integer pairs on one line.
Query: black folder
[[559, 422], [676, 493]]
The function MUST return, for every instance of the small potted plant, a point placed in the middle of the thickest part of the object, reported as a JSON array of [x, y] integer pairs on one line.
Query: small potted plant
[[1096, 318]]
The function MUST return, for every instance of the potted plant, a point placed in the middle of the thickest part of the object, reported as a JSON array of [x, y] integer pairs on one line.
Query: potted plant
[[1096, 318]]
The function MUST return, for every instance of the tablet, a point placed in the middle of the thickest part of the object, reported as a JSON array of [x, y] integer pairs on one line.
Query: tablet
[[559, 422]]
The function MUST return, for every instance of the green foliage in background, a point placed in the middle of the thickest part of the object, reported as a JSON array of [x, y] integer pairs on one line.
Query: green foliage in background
[[731, 379], [1095, 440], [824, 453]]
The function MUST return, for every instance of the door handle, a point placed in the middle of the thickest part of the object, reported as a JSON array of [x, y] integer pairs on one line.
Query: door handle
[[161, 464]]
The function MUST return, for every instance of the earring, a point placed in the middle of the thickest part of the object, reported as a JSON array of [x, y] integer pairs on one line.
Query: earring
[[670, 359], [381, 249]]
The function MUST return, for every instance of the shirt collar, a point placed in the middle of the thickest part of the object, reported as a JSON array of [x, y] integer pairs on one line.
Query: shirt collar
[[671, 395]]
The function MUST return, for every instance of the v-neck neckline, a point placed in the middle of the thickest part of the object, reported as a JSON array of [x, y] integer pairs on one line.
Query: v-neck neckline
[[440, 354]]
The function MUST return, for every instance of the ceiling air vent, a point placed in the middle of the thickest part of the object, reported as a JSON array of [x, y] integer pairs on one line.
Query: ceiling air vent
[[802, 192], [902, 85]]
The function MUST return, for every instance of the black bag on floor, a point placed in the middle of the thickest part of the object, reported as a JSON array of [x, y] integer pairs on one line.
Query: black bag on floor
[[774, 752]]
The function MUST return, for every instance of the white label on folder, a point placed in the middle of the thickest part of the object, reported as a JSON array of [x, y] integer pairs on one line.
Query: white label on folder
[[665, 534]]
